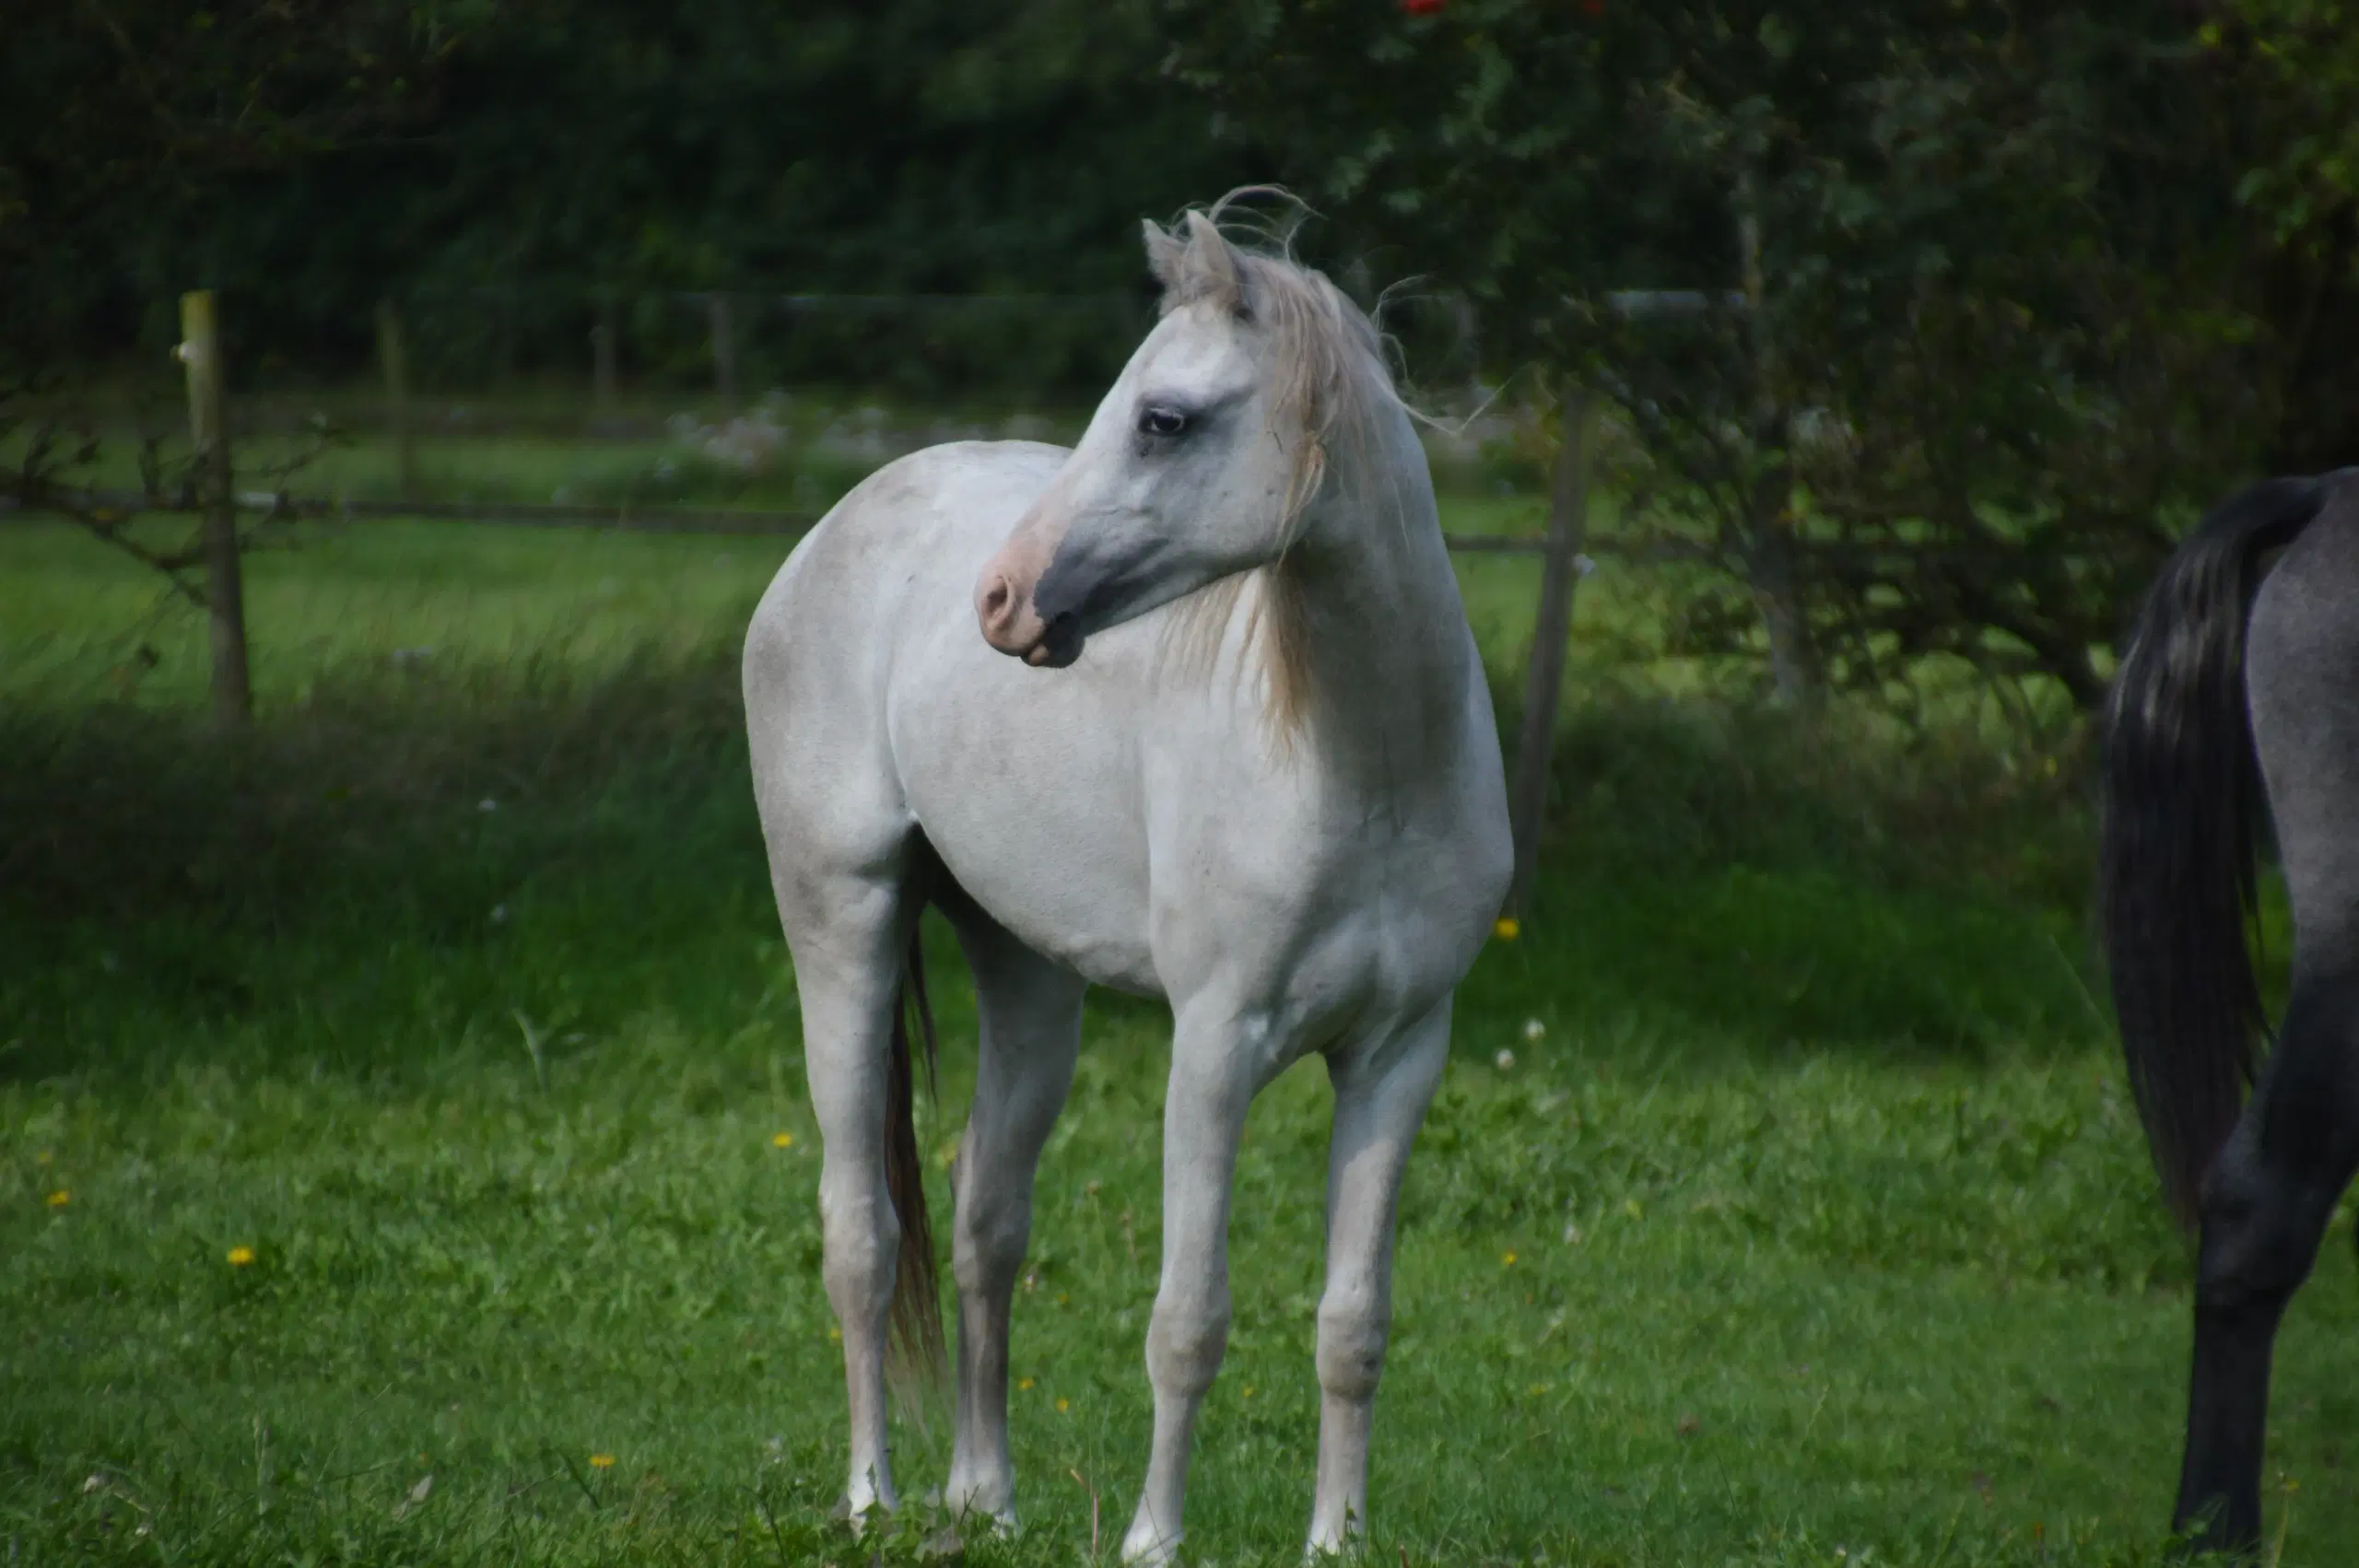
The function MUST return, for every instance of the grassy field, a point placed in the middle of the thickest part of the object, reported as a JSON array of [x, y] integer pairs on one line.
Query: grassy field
[[1783, 1205]]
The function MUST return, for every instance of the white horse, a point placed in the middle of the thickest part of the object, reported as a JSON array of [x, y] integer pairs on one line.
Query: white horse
[[1269, 792]]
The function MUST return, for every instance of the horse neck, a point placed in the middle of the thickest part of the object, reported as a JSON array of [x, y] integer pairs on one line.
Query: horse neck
[[1383, 631]]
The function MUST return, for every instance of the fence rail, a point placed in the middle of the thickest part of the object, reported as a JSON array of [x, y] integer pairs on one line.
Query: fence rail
[[532, 514]]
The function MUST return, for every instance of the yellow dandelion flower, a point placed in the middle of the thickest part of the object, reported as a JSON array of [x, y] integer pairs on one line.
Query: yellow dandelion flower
[[783, 1140], [241, 1256], [1507, 928], [835, 1333], [1507, 1260], [1249, 1390], [602, 1461], [1023, 1385], [1063, 1405], [59, 1199]]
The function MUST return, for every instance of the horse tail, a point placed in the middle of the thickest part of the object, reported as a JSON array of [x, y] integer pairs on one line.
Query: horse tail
[[2182, 811], [918, 1346]]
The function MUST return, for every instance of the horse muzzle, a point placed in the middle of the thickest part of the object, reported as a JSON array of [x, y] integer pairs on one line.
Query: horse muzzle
[[1012, 624]]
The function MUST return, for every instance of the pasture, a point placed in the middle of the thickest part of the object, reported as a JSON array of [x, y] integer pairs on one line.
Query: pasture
[[404, 1156]]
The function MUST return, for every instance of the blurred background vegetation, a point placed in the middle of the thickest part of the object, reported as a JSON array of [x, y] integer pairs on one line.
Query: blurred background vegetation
[[1925, 326]]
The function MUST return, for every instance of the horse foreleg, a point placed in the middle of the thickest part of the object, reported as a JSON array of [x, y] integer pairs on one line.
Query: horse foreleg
[[2265, 1205], [846, 972], [1212, 1084], [1030, 1016], [1381, 1093]]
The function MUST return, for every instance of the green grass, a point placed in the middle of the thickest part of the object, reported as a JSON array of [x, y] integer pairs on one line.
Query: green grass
[[1833, 1239]]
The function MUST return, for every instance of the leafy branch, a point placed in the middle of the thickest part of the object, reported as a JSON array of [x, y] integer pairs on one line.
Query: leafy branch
[[51, 475]]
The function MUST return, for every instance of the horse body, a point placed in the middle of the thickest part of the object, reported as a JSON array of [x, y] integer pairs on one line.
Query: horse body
[[1110, 817], [1269, 792], [2228, 682]]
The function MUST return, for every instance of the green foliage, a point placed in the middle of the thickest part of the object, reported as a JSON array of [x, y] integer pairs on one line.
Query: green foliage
[[1982, 322], [120, 124], [2308, 53], [525, 164]]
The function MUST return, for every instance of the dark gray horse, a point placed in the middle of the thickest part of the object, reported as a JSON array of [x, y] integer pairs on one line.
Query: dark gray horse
[[2236, 695]]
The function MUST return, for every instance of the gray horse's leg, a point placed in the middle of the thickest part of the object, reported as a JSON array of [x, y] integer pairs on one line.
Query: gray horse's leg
[[846, 936], [2266, 1204], [1381, 1093], [1031, 1013], [1217, 1067], [2272, 1189]]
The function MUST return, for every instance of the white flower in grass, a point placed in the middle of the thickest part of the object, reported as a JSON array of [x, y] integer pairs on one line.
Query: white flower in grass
[[1504, 1061]]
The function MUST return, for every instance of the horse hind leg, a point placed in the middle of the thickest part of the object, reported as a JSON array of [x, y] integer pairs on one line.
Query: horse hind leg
[[2266, 1204], [1029, 1013], [2272, 1189], [847, 936]]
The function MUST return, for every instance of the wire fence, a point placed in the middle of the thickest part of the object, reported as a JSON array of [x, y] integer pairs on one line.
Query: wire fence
[[721, 411]]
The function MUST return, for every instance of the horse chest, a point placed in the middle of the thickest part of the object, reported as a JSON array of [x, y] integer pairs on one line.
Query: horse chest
[[1318, 913]]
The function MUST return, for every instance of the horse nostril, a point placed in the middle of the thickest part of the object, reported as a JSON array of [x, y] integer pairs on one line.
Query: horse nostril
[[997, 599]]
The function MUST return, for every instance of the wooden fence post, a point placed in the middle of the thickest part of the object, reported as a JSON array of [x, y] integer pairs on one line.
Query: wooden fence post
[[1770, 563], [208, 433], [389, 349], [725, 346], [602, 358], [1543, 682]]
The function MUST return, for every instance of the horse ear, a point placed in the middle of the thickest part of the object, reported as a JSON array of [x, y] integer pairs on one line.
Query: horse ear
[[1166, 254], [1214, 263]]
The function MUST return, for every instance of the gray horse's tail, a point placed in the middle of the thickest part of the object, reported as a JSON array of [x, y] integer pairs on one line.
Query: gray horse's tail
[[2182, 808], [917, 1288]]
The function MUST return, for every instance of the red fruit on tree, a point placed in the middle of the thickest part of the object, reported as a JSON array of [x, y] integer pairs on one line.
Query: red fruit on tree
[[1422, 8]]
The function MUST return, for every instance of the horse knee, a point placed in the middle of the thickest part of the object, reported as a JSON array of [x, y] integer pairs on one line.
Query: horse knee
[[987, 1243], [1185, 1341], [863, 1241], [2260, 1234], [1353, 1326]]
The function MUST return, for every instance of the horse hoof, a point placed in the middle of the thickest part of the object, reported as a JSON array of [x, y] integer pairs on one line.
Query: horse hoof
[[856, 1519], [1150, 1551]]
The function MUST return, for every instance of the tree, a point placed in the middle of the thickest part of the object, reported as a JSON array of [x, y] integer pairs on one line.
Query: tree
[[524, 165], [1972, 318], [2292, 67], [120, 119]]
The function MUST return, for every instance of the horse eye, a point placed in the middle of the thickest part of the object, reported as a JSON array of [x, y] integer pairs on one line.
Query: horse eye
[[1161, 419]]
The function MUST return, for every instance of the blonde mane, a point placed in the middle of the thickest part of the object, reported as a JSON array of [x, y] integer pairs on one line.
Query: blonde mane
[[1332, 384]]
